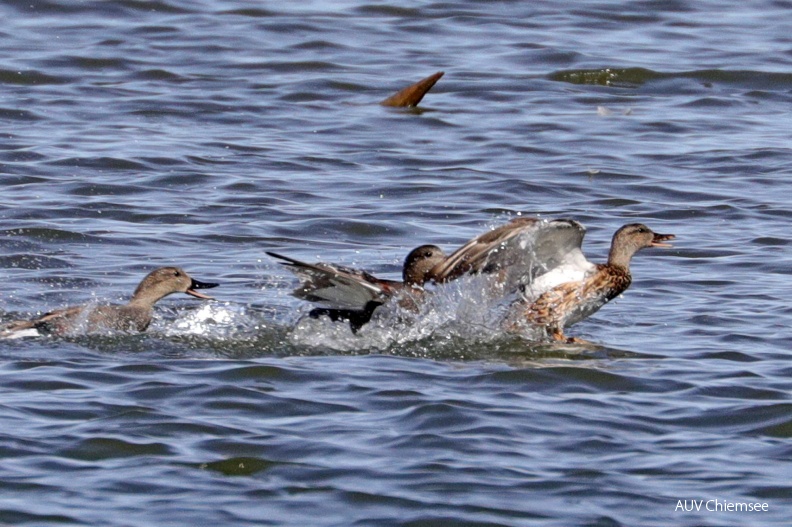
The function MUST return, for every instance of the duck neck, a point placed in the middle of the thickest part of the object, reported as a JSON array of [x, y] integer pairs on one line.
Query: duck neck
[[620, 257], [142, 301]]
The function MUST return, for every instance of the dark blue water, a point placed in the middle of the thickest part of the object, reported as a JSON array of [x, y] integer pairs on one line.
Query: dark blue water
[[138, 134]]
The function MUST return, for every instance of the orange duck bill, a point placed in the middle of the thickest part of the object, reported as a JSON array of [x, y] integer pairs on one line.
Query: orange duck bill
[[200, 285], [659, 239]]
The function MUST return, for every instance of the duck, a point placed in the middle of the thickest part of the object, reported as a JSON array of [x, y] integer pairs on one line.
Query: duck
[[355, 294], [573, 288], [507, 252], [133, 317], [410, 96]]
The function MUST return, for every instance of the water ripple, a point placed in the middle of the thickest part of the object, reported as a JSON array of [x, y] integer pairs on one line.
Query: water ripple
[[202, 135]]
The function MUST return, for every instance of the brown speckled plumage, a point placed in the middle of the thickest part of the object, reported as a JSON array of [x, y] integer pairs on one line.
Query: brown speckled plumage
[[569, 302], [553, 307]]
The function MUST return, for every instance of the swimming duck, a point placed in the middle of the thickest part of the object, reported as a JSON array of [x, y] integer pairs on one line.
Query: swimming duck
[[508, 252], [355, 294], [412, 95], [134, 316], [574, 288]]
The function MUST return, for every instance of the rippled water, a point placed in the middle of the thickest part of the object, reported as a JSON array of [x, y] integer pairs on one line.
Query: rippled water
[[138, 134]]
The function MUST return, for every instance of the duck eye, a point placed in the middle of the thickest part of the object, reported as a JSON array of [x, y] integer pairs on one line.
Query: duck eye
[[176, 273]]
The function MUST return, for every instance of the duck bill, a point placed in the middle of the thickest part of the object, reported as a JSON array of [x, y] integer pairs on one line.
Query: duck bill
[[200, 285], [660, 239]]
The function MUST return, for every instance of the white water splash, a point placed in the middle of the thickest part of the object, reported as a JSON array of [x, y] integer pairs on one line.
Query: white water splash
[[470, 308], [212, 319]]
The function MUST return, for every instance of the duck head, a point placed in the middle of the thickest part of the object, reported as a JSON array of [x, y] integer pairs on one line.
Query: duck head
[[420, 262], [630, 239], [168, 280]]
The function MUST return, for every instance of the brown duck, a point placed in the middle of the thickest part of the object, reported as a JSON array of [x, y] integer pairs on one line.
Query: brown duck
[[134, 316], [577, 288], [508, 252], [355, 294]]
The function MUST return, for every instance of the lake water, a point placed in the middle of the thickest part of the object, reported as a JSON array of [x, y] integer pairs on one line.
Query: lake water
[[138, 134]]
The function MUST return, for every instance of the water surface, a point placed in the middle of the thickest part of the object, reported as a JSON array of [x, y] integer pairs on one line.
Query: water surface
[[143, 134]]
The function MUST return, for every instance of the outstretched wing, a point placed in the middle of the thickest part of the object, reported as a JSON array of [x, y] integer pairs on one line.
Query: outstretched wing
[[556, 243], [557, 259], [516, 252], [484, 253], [337, 286]]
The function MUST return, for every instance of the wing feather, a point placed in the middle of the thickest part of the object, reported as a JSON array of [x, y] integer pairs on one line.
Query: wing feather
[[518, 252], [336, 286]]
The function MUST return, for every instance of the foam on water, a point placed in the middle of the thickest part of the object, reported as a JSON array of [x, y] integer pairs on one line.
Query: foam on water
[[464, 309]]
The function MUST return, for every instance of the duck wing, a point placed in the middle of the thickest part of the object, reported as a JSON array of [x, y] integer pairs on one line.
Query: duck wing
[[337, 286], [18, 329], [556, 258], [56, 322], [485, 253], [556, 243], [517, 252]]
